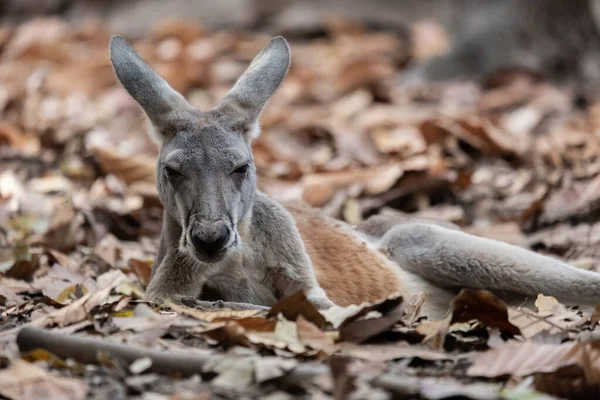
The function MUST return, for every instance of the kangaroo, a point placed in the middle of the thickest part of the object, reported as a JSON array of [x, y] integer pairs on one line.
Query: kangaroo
[[223, 236]]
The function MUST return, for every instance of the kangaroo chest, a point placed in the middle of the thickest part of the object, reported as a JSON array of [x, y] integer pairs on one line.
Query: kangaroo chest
[[238, 284]]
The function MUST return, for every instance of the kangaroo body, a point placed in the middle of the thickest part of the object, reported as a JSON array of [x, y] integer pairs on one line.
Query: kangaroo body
[[224, 239]]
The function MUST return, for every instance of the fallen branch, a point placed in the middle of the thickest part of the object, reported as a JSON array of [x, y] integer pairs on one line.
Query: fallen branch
[[85, 350]]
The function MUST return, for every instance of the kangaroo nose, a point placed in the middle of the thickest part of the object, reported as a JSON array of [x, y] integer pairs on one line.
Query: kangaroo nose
[[210, 240]]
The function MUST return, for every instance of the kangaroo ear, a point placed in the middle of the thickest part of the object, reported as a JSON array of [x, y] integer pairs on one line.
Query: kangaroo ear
[[245, 101], [151, 91]]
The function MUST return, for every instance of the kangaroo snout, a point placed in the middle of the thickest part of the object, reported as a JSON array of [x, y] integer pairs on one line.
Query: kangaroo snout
[[209, 238]]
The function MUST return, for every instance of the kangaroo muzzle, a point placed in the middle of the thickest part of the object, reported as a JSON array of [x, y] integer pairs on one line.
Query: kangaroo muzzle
[[209, 238]]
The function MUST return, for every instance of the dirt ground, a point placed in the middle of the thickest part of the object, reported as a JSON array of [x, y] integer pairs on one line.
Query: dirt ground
[[512, 157]]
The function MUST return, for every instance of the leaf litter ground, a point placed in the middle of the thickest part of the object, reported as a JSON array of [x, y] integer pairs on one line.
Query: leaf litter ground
[[514, 158]]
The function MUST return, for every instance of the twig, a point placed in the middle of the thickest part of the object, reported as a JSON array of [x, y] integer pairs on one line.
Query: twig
[[540, 319]]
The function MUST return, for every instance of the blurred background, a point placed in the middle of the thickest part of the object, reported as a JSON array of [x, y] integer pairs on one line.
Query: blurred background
[[478, 112]]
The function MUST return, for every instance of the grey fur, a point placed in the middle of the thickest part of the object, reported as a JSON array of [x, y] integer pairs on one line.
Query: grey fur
[[244, 102], [153, 93], [207, 182]]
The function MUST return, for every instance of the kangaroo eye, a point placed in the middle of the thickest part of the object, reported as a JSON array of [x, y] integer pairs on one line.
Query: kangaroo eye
[[242, 170], [171, 173]]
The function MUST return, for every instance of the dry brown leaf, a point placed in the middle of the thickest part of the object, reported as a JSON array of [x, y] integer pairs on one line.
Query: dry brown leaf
[[388, 352], [360, 330], [548, 305], [483, 306], [233, 373], [522, 359], [318, 189], [552, 317], [229, 332], [71, 292], [574, 198], [595, 317], [130, 169], [257, 324], [342, 316], [178, 28], [79, 309], [62, 259], [295, 306], [310, 335], [143, 321], [509, 232], [429, 39], [494, 139], [283, 337], [226, 334], [142, 269], [519, 89], [209, 316], [266, 368], [351, 212], [413, 308], [434, 332], [22, 380], [12, 136], [407, 140], [63, 284]]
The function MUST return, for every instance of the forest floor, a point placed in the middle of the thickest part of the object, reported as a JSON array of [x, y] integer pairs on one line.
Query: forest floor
[[514, 158]]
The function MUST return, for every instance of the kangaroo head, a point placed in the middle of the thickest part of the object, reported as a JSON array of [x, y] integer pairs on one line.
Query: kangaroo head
[[205, 171]]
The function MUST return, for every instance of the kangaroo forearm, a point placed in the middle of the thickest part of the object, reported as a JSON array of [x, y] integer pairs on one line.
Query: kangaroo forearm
[[175, 277]]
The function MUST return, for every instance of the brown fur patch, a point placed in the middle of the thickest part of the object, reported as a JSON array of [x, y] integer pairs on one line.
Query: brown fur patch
[[346, 268]]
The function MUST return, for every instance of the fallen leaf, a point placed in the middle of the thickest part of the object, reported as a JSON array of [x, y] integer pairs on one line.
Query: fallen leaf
[[429, 39], [257, 324], [233, 373], [434, 332], [79, 309], [139, 168], [310, 335], [522, 359], [284, 336], [12, 136], [360, 330], [267, 368], [552, 317], [318, 189], [208, 316], [142, 269], [22, 380], [297, 305], [595, 317], [484, 306], [388, 352]]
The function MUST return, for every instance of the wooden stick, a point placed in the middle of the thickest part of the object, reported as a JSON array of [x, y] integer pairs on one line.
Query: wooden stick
[[85, 350]]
